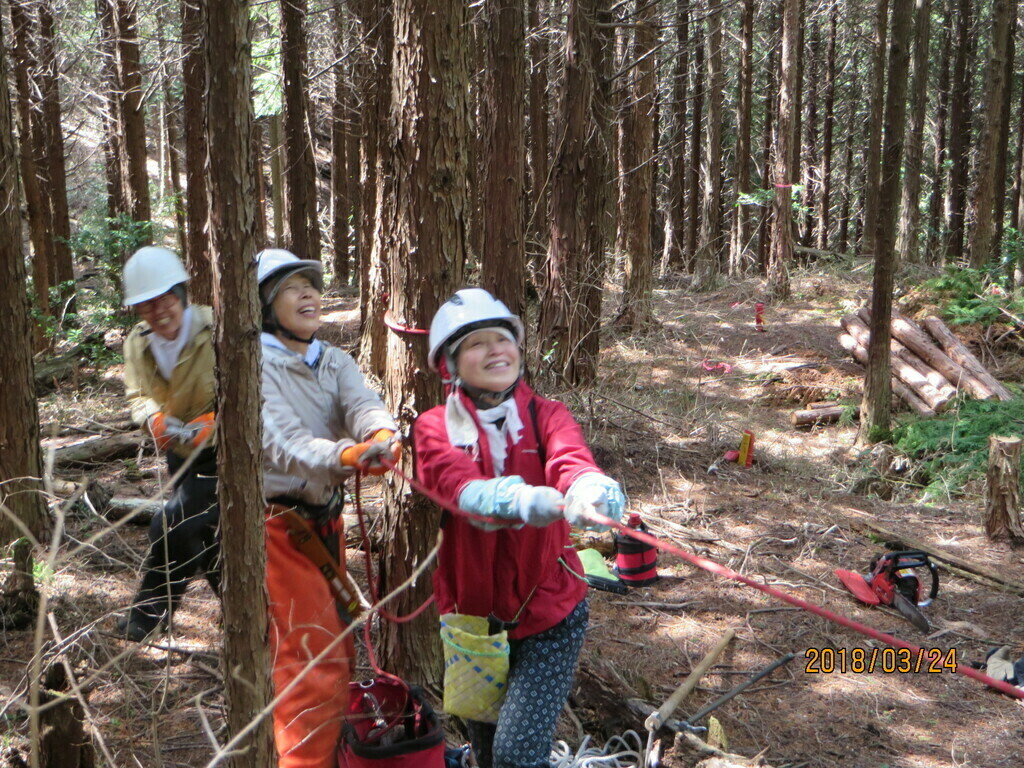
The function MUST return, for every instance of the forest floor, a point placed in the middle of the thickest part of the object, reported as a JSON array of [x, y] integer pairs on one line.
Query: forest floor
[[659, 421]]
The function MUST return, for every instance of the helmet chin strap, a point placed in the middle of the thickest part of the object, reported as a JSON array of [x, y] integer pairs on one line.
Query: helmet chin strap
[[272, 325], [485, 398]]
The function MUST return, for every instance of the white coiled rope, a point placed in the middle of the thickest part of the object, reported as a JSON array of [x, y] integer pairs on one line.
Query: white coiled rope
[[619, 752]]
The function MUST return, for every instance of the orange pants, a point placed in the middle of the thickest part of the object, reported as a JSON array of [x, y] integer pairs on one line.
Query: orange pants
[[303, 622]]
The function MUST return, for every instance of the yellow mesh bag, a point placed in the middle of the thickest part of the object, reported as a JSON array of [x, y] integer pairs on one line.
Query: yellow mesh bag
[[475, 667]]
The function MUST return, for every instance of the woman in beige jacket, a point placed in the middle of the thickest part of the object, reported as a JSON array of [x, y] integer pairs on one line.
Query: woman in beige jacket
[[169, 382]]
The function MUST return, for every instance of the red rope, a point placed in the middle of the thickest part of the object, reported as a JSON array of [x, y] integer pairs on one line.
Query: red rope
[[397, 327], [728, 573]]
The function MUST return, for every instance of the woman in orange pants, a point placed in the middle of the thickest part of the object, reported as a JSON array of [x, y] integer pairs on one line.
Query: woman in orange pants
[[321, 424]]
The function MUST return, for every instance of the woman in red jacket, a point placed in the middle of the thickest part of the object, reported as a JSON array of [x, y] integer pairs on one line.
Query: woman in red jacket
[[503, 453]]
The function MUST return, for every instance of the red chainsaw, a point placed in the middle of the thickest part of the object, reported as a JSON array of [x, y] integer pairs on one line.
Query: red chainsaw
[[892, 580]]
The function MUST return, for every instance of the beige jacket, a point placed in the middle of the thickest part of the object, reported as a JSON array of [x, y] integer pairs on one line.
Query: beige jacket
[[311, 416], [190, 392]]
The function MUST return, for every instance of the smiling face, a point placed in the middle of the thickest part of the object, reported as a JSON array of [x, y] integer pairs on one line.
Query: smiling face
[[488, 359], [297, 306], [164, 314]]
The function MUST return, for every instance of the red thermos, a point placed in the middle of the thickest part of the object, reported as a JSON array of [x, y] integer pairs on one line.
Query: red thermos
[[636, 562]]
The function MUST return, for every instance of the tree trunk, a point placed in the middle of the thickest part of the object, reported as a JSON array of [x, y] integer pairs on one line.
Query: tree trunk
[[693, 184], [769, 89], [197, 206], [1003, 143], [236, 342], [353, 137], [959, 130], [910, 209], [672, 256], [19, 417], [538, 147], [981, 240], [113, 130], [636, 188], [423, 227], [876, 407], [341, 205], [136, 178], [277, 178], [503, 260], [171, 146], [709, 250], [1016, 209], [741, 233], [811, 154], [872, 154], [812, 417], [936, 196], [303, 234], [571, 306], [36, 203], [54, 135], [373, 80], [825, 199], [782, 209], [1002, 500]]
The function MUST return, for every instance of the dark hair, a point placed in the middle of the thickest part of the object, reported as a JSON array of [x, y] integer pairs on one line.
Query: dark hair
[[179, 291]]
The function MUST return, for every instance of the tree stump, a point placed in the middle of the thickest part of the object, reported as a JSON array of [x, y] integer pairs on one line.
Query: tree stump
[[64, 740], [1002, 507]]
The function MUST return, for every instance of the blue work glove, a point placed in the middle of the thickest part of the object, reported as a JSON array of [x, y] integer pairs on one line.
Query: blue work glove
[[510, 498], [594, 492]]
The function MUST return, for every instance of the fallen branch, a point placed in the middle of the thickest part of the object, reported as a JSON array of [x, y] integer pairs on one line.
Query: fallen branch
[[93, 450]]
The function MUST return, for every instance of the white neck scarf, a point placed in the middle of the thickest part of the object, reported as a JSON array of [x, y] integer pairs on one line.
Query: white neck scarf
[[167, 351], [462, 430]]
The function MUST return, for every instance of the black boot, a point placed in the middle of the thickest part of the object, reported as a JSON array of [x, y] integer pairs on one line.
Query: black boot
[[138, 624]]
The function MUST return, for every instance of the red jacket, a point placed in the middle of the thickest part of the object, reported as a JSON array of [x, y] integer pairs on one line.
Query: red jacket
[[509, 572]]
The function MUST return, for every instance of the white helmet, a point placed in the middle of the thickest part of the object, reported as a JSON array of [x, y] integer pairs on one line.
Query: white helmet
[[468, 310], [277, 262], [150, 272]]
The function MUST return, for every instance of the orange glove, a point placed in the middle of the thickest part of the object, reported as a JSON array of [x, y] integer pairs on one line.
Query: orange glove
[[366, 457], [158, 429], [169, 431], [203, 427]]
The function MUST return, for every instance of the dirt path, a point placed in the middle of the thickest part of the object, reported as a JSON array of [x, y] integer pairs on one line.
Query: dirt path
[[660, 421]]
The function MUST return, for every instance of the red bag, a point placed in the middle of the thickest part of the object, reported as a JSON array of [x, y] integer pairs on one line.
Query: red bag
[[390, 725]]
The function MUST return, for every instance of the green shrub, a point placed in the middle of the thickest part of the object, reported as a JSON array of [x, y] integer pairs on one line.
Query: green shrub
[[976, 296], [951, 450]]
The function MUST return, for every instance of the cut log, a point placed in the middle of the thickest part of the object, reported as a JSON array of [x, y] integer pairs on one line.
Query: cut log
[[911, 398], [1002, 507], [956, 350], [934, 378], [910, 335], [814, 416], [901, 369], [50, 370], [92, 450]]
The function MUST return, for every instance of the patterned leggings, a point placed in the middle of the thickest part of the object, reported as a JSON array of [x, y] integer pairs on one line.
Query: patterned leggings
[[540, 674]]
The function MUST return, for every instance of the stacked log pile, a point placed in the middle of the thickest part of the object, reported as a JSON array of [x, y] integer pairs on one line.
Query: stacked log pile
[[929, 368]]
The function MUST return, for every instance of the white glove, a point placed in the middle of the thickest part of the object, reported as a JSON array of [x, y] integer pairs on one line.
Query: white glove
[[539, 505], [510, 498], [594, 492]]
